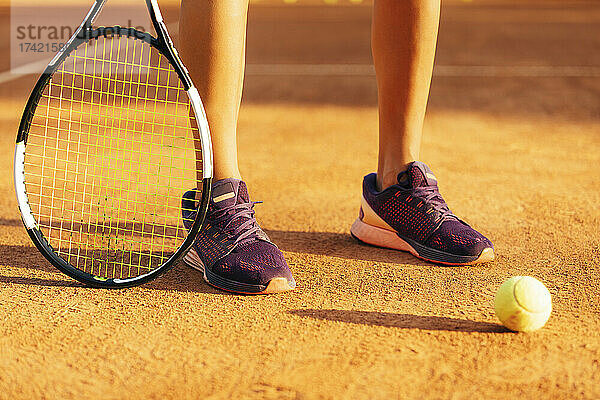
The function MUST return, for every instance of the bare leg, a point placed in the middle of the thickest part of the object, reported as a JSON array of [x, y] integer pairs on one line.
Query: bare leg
[[404, 39], [213, 47]]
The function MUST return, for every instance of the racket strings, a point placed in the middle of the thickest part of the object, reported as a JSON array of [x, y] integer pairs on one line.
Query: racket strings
[[112, 146]]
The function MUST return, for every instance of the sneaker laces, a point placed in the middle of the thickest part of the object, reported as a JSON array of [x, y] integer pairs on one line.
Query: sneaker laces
[[245, 231], [431, 196]]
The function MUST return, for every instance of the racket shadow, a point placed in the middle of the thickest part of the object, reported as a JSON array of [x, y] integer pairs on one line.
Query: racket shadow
[[402, 321], [21, 280], [340, 245], [179, 278]]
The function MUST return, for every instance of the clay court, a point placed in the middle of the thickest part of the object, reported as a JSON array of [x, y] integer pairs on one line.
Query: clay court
[[513, 134]]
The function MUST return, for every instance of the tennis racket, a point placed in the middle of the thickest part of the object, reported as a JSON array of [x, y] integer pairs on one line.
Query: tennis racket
[[112, 135]]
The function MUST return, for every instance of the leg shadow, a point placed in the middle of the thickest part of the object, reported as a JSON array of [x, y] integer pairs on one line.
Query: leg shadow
[[403, 321], [340, 245]]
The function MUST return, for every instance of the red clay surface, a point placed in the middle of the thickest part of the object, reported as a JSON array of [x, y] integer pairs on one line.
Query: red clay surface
[[516, 155]]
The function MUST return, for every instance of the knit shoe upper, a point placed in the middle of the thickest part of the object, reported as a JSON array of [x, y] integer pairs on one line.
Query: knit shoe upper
[[415, 210], [234, 251]]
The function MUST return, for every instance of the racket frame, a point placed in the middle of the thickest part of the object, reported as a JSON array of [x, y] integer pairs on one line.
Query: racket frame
[[163, 43]]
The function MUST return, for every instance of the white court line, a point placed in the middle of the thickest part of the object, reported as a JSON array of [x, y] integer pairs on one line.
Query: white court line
[[358, 70], [464, 71], [440, 70], [16, 73], [517, 71]]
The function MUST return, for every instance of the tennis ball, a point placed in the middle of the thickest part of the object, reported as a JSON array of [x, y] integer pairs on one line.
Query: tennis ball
[[523, 304]]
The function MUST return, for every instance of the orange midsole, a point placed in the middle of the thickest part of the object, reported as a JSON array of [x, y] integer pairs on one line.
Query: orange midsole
[[380, 237]]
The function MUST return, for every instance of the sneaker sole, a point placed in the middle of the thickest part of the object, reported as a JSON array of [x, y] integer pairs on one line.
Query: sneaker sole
[[384, 238], [276, 285]]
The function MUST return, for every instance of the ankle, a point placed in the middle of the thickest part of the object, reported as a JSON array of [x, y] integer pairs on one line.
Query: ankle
[[219, 175], [388, 176]]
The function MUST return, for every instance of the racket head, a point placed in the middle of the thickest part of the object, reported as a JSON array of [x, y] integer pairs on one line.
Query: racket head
[[112, 136]]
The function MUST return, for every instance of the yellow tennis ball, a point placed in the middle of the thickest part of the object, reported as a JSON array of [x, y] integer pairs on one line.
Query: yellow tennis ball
[[523, 304]]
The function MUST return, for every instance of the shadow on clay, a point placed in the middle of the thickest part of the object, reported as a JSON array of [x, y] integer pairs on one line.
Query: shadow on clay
[[10, 222], [20, 280], [179, 278], [182, 278], [330, 244], [403, 321], [340, 245]]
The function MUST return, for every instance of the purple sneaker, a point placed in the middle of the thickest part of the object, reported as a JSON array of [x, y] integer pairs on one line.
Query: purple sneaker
[[231, 250], [412, 216]]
